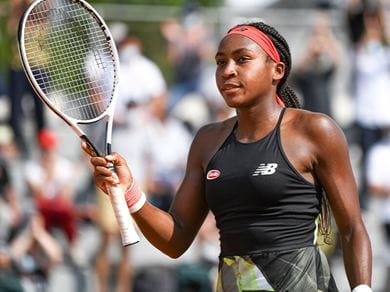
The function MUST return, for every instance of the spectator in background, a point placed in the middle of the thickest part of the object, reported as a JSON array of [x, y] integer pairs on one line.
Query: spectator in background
[[354, 20], [315, 71], [378, 179], [49, 180], [8, 197], [34, 252], [166, 148], [27, 250], [18, 83], [142, 105], [141, 82], [187, 46], [10, 216], [371, 82], [159, 141]]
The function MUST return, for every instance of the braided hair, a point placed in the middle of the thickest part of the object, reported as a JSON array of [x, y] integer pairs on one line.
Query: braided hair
[[290, 99], [283, 90]]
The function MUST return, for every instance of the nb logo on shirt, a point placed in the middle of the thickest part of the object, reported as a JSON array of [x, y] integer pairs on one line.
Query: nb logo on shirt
[[265, 169]]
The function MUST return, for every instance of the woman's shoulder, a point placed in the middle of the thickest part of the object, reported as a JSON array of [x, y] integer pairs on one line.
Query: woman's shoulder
[[318, 127], [311, 121]]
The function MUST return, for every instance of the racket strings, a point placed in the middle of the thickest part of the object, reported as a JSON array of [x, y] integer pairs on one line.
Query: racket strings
[[70, 58]]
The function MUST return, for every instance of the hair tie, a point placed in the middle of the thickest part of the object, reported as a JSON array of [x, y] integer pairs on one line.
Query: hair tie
[[280, 102]]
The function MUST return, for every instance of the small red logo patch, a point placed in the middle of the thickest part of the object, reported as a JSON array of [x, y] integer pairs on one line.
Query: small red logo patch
[[213, 174]]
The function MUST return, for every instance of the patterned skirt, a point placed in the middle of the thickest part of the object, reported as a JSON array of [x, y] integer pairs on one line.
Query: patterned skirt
[[300, 270]]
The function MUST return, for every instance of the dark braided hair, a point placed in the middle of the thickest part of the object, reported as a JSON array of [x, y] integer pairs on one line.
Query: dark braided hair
[[283, 90], [291, 100]]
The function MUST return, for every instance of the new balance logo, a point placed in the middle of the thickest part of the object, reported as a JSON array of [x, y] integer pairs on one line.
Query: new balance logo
[[265, 169]]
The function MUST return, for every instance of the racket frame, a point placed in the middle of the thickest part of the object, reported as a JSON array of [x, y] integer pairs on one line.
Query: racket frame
[[132, 237], [72, 122]]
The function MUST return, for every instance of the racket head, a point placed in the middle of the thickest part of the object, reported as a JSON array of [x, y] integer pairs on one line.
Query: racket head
[[71, 61]]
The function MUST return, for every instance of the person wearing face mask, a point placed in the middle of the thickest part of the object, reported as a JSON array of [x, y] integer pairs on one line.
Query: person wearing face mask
[[315, 72], [378, 181], [141, 84], [370, 83], [140, 78]]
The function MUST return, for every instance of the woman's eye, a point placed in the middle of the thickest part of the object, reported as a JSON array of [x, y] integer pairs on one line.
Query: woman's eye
[[242, 59], [220, 62]]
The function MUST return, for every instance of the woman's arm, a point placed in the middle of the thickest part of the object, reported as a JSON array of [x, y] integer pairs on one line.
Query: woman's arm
[[171, 232], [334, 172]]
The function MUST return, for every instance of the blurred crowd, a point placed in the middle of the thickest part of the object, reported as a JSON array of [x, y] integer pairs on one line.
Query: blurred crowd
[[51, 214]]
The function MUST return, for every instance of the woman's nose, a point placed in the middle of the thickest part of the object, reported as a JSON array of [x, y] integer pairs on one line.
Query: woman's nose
[[229, 70]]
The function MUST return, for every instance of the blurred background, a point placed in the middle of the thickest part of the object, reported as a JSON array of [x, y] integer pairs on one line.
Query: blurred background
[[57, 231]]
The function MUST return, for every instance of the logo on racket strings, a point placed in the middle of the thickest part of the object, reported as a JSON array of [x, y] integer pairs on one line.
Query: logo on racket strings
[[213, 174]]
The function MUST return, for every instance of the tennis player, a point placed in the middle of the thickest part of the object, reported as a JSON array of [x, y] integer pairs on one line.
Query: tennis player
[[265, 174]]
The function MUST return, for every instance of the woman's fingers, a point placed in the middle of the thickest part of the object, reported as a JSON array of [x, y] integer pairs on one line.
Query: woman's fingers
[[103, 176], [101, 185], [103, 171], [100, 161], [116, 159], [88, 149]]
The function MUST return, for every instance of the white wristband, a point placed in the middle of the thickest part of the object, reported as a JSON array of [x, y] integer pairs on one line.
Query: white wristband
[[362, 288], [139, 204]]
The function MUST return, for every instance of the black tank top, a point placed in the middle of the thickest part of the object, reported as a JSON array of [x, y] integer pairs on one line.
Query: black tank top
[[260, 201]]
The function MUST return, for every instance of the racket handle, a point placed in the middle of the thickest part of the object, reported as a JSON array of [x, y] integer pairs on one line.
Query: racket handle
[[127, 229]]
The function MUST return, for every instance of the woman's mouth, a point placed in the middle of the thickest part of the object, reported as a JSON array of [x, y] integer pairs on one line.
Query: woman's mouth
[[230, 88]]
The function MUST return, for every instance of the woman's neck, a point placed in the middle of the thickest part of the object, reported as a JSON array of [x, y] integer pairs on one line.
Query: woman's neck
[[255, 122]]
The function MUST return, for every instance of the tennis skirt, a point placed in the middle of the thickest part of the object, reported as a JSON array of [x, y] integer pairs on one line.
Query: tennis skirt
[[300, 270]]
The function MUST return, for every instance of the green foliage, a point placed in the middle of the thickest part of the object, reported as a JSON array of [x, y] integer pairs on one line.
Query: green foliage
[[4, 47]]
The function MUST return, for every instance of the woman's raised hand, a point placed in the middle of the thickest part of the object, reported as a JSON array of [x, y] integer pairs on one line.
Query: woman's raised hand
[[103, 173]]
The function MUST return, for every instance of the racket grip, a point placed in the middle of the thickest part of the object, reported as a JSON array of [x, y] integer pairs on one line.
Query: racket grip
[[127, 229]]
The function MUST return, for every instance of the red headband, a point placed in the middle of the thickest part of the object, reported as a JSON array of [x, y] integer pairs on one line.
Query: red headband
[[258, 37]]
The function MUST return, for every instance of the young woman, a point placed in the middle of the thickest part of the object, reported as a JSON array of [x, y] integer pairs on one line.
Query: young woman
[[263, 174]]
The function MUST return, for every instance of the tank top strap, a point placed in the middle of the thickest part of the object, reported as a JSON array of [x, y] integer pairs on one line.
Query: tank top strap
[[280, 118]]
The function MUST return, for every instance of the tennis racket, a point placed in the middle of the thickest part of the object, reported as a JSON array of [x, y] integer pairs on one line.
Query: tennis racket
[[71, 61]]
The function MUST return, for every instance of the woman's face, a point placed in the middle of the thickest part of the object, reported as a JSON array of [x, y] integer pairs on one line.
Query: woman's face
[[244, 71]]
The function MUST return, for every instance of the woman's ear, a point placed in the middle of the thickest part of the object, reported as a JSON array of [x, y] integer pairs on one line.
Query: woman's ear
[[278, 72]]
